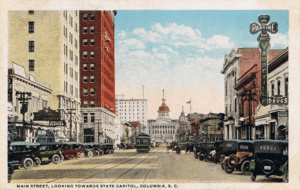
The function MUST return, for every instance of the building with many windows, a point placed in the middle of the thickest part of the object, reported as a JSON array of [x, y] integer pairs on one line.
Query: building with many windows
[[46, 44], [97, 75], [132, 110]]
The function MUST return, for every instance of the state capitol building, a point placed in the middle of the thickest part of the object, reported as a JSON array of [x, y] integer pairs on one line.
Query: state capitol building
[[163, 129]]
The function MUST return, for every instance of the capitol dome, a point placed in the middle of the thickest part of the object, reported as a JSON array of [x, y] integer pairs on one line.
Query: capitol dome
[[164, 107]]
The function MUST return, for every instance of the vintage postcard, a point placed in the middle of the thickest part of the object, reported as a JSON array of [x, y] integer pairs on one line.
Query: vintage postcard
[[150, 95]]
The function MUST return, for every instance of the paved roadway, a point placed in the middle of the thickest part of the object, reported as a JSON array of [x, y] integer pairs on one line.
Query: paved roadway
[[128, 166]]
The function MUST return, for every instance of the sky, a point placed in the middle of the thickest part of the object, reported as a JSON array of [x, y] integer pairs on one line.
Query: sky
[[182, 52]]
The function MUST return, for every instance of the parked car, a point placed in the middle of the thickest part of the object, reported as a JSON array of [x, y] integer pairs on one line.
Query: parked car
[[241, 160], [21, 154], [49, 152], [218, 157], [108, 148], [196, 149], [228, 147], [94, 147], [210, 151], [73, 150], [202, 151], [270, 158]]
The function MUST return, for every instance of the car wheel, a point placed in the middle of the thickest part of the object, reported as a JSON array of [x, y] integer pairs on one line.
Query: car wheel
[[90, 154], [101, 152], [253, 176], [37, 162], [246, 167], [195, 155], [227, 169], [81, 155], [55, 158], [107, 151], [222, 166], [27, 163], [96, 153], [112, 151], [221, 159]]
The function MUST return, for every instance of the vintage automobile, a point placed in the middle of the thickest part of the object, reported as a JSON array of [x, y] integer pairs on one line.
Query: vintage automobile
[[218, 149], [94, 147], [10, 171], [202, 151], [241, 160], [49, 152], [228, 147], [72, 150], [210, 151], [22, 154], [108, 148], [196, 149], [173, 145], [270, 158]]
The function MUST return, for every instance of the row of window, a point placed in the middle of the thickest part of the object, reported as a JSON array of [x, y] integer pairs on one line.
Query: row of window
[[124, 102], [107, 73], [130, 117], [86, 80], [86, 91], [108, 96], [106, 83], [71, 71], [129, 113], [85, 42], [85, 29], [70, 36], [85, 54], [92, 66], [71, 89], [85, 16], [286, 85], [132, 106], [71, 54], [86, 103]]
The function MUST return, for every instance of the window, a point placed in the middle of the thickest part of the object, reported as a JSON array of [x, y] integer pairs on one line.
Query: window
[[85, 42], [31, 65], [92, 29], [92, 16], [92, 54], [85, 92], [286, 86], [66, 86], [85, 16], [31, 27], [92, 116], [85, 79], [85, 117], [85, 66], [92, 42], [92, 91], [31, 46], [272, 89], [92, 66], [92, 79], [85, 54], [31, 11], [85, 29], [71, 89], [278, 87], [92, 103], [66, 68]]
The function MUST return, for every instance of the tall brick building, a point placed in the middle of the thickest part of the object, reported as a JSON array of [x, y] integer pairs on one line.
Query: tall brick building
[[97, 75], [248, 90]]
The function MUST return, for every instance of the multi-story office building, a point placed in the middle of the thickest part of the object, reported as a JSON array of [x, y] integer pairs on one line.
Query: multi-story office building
[[46, 44], [97, 75], [132, 110]]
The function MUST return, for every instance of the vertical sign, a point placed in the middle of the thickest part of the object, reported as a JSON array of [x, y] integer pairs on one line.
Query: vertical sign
[[264, 46], [9, 86]]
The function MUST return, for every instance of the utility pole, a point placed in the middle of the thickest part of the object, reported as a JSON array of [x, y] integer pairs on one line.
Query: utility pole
[[70, 111], [24, 101]]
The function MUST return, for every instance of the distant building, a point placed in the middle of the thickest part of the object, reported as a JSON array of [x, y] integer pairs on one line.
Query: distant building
[[164, 129], [132, 110], [97, 75]]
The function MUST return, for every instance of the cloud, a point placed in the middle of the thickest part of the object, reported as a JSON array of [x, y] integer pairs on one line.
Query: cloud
[[165, 49], [221, 42], [279, 40], [132, 44], [122, 34], [150, 36]]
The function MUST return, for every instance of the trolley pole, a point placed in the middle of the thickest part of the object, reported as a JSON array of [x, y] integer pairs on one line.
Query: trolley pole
[[24, 101]]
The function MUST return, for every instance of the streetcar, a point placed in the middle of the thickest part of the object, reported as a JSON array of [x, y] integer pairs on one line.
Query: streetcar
[[143, 142]]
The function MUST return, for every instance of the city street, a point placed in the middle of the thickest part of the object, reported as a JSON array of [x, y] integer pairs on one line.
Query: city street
[[128, 166]]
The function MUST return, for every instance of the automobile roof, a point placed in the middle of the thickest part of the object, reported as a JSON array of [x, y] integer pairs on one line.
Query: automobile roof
[[24, 143]]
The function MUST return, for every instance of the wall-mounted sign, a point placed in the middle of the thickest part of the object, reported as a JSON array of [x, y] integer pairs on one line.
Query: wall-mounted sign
[[277, 100], [47, 114], [57, 123], [10, 86]]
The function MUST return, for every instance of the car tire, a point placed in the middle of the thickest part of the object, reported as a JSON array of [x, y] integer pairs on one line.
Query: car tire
[[112, 151], [37, 162], [253, 176], [27, 163], [55, 159], [227, 169], [246, 167], [101, 152], [90, 154], [81, 155], [96, 153], [222, 166], [195, 155]]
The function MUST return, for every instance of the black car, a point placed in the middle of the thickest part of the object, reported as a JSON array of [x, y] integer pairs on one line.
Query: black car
[[21, 154], [270, 158]]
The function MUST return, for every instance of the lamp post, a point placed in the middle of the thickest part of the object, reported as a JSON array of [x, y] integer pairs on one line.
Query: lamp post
[[24, 101]]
